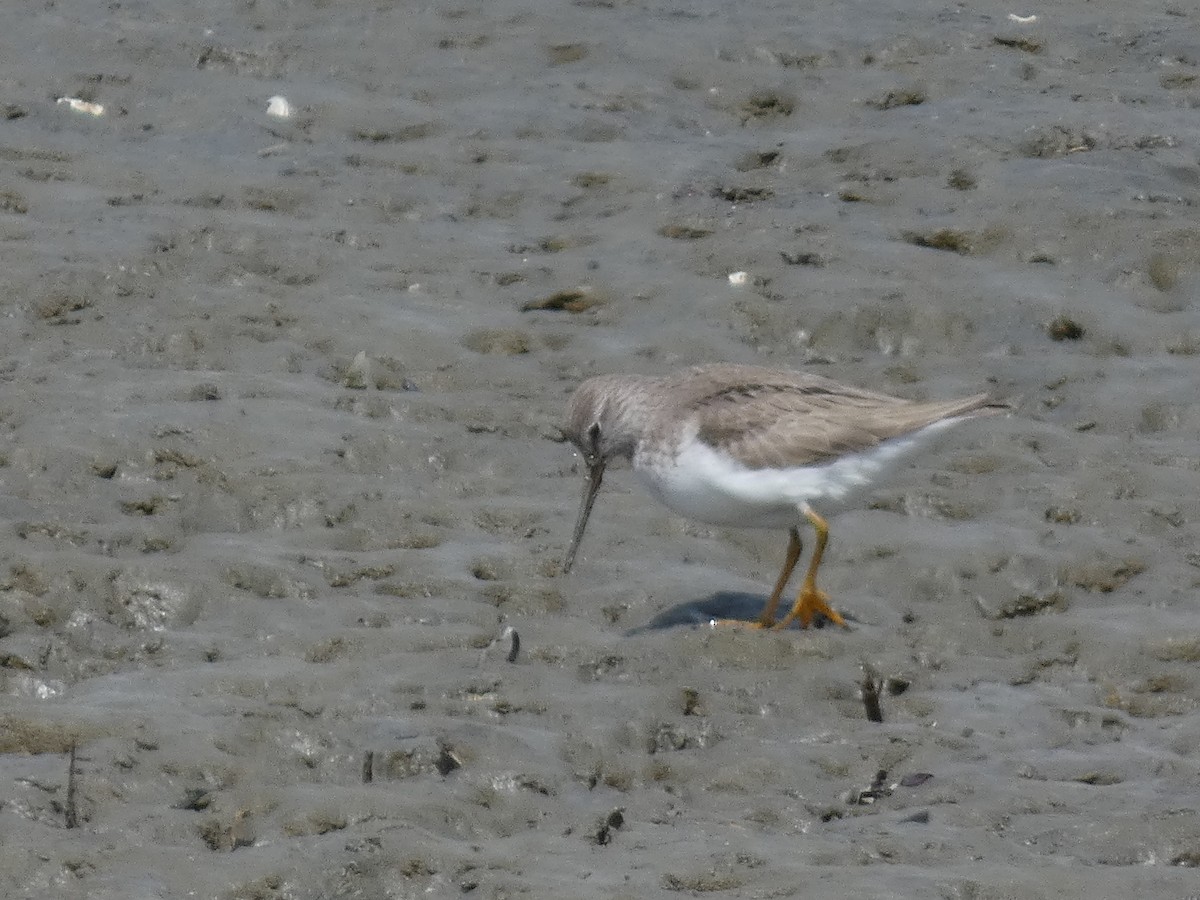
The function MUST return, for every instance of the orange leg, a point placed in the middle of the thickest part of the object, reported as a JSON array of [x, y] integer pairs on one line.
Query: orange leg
[[767, 619], [810, 600]]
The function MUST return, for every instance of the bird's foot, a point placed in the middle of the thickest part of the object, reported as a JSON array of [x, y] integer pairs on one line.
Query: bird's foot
[[810, 603]]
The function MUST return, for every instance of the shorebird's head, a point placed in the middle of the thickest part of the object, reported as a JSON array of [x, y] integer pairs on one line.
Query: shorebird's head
[[596, 426], [596, 419]]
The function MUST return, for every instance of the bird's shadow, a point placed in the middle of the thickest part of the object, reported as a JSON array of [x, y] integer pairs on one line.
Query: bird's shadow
[[728, 606]]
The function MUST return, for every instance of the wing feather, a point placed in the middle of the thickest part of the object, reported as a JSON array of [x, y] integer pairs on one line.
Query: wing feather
[[773, 418]]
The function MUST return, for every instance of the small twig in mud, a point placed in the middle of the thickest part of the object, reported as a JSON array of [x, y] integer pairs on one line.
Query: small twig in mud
[[870, 693], [71, 813], [516, 644], [614, 820], [514, 648], [878, 789], [368, 767]]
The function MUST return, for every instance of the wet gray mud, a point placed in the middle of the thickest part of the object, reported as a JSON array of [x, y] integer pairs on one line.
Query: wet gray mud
[[280, 459]]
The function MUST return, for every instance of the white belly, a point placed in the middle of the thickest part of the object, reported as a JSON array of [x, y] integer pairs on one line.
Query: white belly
[[709, 486]]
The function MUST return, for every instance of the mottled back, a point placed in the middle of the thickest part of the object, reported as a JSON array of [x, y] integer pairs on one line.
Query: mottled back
[[777, 418]]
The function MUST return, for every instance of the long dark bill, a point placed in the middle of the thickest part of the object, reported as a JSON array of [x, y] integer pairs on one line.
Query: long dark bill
[[590, 488]]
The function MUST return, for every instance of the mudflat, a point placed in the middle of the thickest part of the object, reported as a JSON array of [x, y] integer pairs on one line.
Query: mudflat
[[281, 474]]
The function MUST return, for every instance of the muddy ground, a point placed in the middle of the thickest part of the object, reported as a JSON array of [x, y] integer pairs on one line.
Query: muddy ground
[[280, 459]]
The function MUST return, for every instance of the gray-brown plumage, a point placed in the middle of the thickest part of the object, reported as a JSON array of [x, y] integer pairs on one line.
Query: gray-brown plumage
[[727, 422], [762, 417]]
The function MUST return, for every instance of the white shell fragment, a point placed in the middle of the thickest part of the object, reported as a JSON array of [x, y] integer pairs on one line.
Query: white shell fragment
[[83, 106], [1021, 20], [279, 107], [737, 279]]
